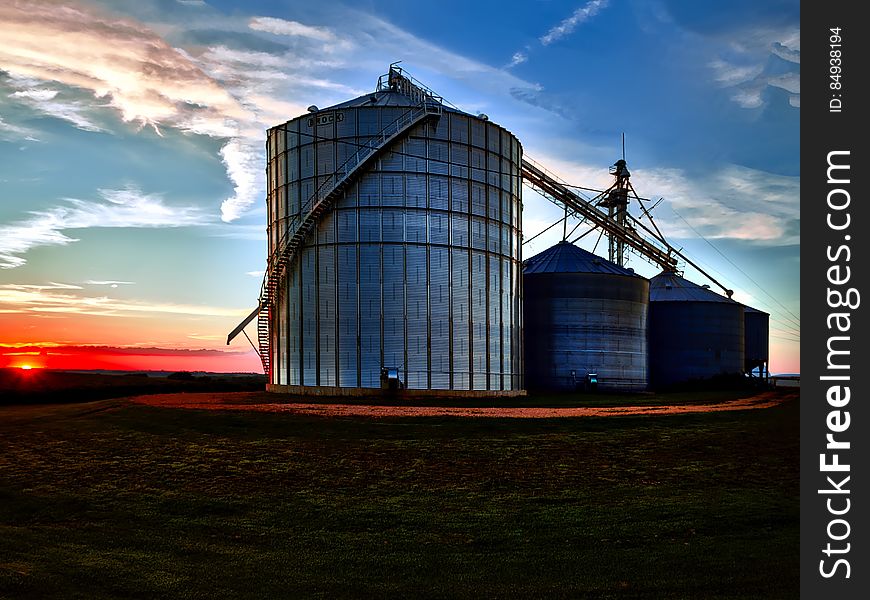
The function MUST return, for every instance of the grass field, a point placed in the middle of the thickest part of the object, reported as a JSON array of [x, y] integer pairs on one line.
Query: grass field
[[44, 385], [109, 499]]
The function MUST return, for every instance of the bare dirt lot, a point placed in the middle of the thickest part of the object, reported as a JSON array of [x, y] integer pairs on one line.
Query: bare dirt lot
[[260, 402]]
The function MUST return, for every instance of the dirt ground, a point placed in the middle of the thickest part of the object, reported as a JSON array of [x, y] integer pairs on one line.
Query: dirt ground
[[254, 402]]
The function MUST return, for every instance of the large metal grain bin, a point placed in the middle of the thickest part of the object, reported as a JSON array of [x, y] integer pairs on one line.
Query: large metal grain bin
[[695, 333], [584, 316], [757, 341], [413, 274]]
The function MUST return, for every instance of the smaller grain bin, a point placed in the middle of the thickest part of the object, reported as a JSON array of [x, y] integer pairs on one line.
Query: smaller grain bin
[[694, 333], [585, 318], [756, 325]]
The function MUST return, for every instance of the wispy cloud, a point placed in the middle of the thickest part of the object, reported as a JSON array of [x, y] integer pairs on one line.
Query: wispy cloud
[[291, 28], [744, 67], [11, 132], [55, 349], [125, 65], [733, 202], [731, 74], [218, 90], [127, 207], [567, 27], [518, 58], [790, 82], [112, 283], [46, 101], [563, 29], [786, 53], [38, 299]]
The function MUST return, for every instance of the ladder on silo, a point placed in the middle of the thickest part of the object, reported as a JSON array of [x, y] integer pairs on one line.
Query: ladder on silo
[[320, 202]]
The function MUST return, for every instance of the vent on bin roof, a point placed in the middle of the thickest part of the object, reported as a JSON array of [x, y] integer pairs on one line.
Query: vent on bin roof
[[670, 287], [565, 257]]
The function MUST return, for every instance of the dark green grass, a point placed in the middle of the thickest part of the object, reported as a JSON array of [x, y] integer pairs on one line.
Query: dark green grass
[[112, 500]]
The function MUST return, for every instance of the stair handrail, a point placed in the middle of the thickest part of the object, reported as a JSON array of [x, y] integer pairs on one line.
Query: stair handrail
[[344, 171]]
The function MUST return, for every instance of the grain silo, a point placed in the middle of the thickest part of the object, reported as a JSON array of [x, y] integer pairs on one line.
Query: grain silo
[[584, 316], [757, 341], [394, 237], [695, 333]]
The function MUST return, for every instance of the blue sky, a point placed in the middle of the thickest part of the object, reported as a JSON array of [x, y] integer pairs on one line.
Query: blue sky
[[131, 146]]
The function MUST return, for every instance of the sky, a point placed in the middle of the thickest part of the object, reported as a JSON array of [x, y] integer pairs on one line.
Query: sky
[[132, 135]]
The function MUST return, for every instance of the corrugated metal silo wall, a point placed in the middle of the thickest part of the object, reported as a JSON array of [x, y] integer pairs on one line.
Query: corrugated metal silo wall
[[757, 334], [585, 322], [694, 340], [416, 267]]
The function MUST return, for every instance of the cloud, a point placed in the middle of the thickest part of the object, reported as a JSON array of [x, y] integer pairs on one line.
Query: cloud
[[45, 101], [744, 66], [790, 82], [786, 53], [126, 66], [109, 282], [549, 103], [242, 160], [517, 59], [120, 61], [51, 285], [37, 299], [127, 207], [732, 202], [291, 28], [567, 27], [55, 349], [563, 29], [748, 98], [11, 132], [215, 89], [729, 74], [383, 40]]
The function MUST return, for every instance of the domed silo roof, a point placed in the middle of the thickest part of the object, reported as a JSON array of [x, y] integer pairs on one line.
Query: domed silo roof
[[695, 333], [565, 257], [583, 314], [670, 287]]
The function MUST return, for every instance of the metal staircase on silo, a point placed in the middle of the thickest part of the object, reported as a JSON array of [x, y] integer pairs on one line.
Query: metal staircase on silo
[[321, 201]]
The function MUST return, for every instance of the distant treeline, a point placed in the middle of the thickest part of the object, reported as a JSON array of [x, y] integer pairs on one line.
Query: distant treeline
[[44, 386]]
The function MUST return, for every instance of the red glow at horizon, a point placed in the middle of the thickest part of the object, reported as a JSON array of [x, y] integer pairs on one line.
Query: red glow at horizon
[[125, 359]]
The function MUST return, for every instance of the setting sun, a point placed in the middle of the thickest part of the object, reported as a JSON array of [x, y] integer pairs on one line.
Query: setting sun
[[26, 367]]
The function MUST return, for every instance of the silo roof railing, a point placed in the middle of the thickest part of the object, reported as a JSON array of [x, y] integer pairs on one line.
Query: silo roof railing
[[398, 80]]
